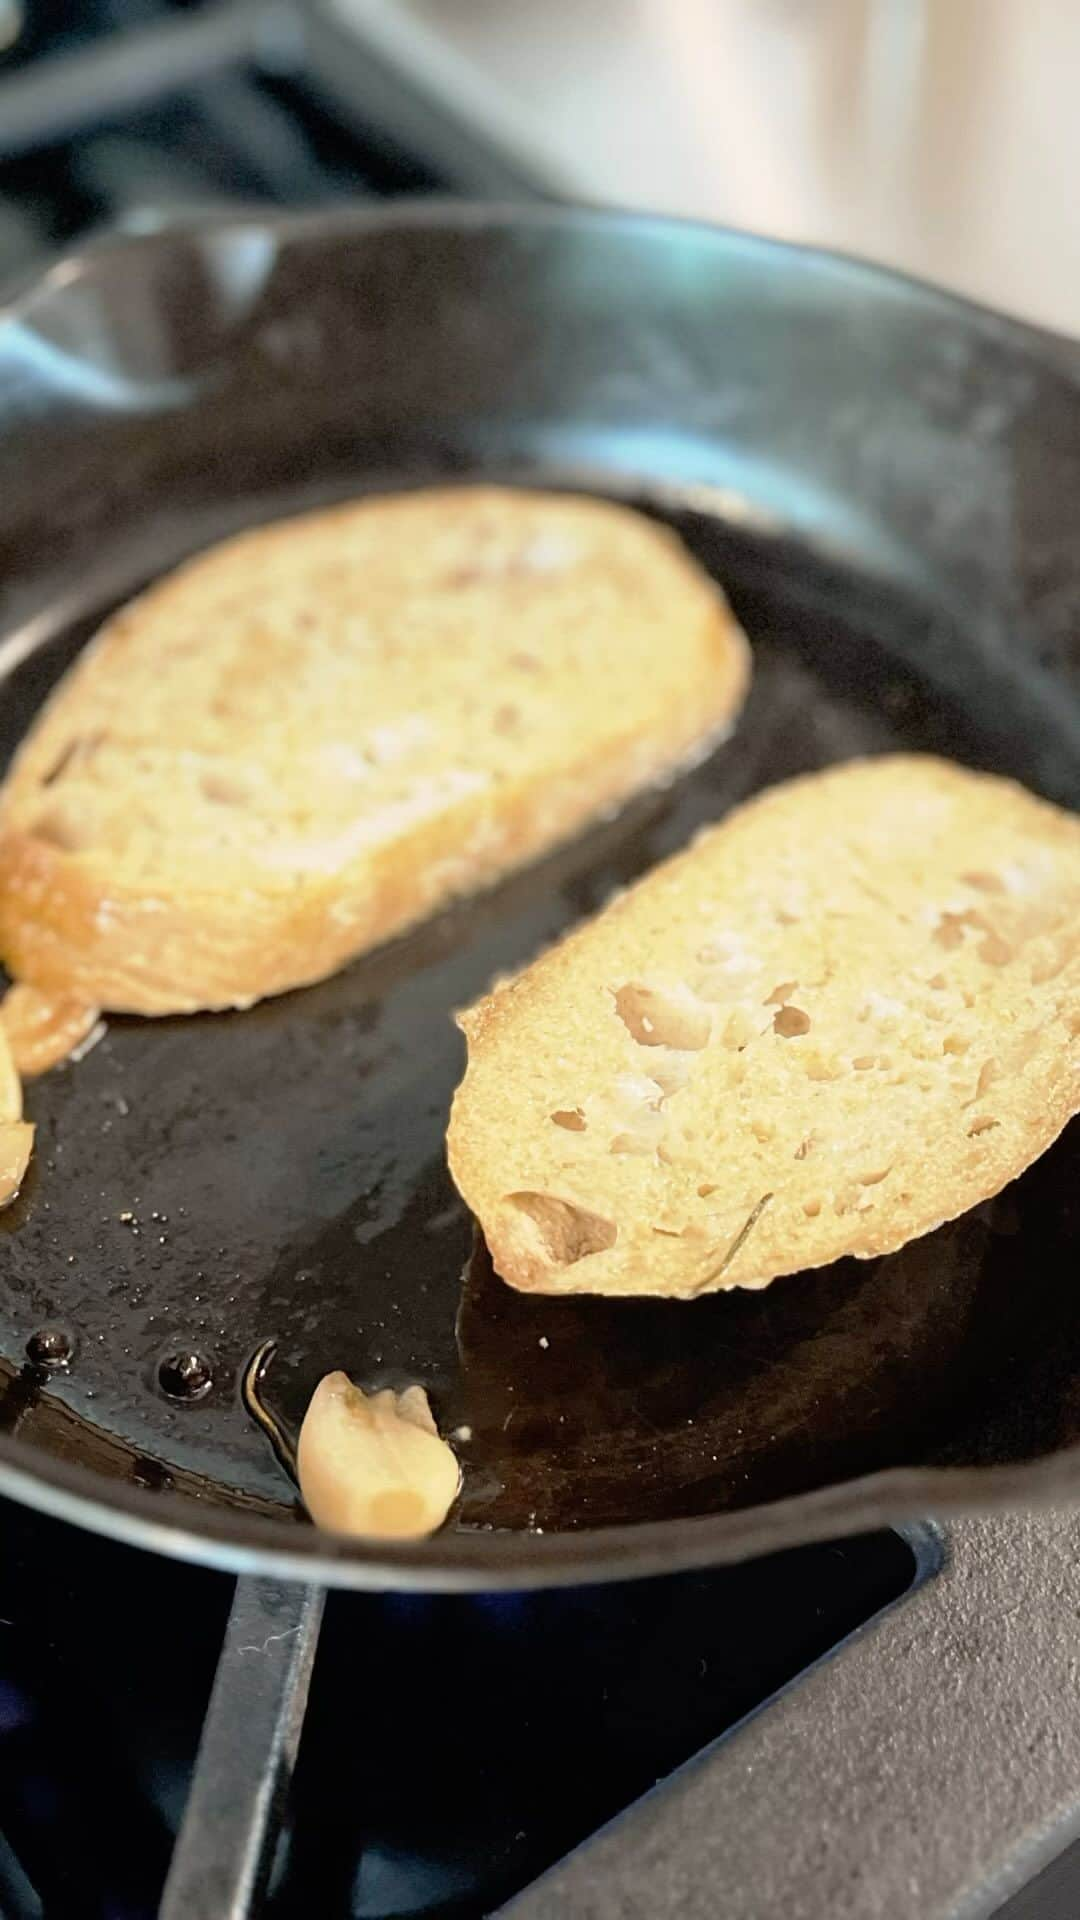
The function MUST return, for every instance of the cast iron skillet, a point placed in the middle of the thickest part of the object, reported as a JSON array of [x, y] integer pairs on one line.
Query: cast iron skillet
[[887, 482]]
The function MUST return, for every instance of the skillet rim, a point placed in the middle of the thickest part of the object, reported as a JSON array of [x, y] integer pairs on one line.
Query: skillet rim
[[443, 212]]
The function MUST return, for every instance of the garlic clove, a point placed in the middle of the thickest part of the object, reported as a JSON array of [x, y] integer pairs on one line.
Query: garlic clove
[[373, 1464], [16, 1146], [11, 1102]]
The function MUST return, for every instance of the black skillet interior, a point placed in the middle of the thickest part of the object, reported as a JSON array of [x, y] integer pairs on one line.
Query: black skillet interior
[[885, 481]]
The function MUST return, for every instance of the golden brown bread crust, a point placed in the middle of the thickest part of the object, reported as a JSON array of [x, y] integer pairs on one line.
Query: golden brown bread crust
[[844, 1016], [312, 736]]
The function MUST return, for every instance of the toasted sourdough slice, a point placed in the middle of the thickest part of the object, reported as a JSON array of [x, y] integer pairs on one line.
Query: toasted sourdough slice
[[843, 1016], [16, 1135], [314, 734]]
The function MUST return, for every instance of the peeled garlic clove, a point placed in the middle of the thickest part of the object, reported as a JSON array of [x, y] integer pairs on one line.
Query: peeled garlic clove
[[374, 1464], [16, 1145], [11, 1103], [44, 1029], [16, 1138]]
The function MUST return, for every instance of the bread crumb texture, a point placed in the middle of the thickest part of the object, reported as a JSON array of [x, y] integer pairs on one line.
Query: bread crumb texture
[[843, 1016], [309, 737]]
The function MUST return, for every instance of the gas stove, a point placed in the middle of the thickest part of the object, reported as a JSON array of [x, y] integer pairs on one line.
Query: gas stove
[[878, 1726], [884, 1726], [454, 1748]]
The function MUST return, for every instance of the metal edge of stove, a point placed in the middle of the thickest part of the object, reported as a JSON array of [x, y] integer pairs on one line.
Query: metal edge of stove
[[929, 1766]]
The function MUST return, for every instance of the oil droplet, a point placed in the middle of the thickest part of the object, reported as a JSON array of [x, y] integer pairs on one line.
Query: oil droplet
[[185, 1375], [52, 1347]]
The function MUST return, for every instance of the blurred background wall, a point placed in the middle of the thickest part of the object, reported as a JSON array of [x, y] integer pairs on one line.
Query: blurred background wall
[[940, 135]]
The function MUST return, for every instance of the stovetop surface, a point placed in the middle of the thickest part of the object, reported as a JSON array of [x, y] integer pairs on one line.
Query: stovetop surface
[[454, 1748]]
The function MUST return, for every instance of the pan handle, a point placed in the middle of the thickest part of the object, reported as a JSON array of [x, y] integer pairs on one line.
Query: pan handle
[[222, 1859]]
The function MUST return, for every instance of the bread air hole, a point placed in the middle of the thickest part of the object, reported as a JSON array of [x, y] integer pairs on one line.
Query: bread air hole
[[790, 1022], [982, 1125], [664, 1016], [557, 1230], [572, 1118], [950, 930], [780, 995]]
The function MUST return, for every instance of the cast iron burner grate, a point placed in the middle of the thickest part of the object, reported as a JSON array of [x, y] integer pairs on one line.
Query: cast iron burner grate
[[140, 111], [454, 1748]]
